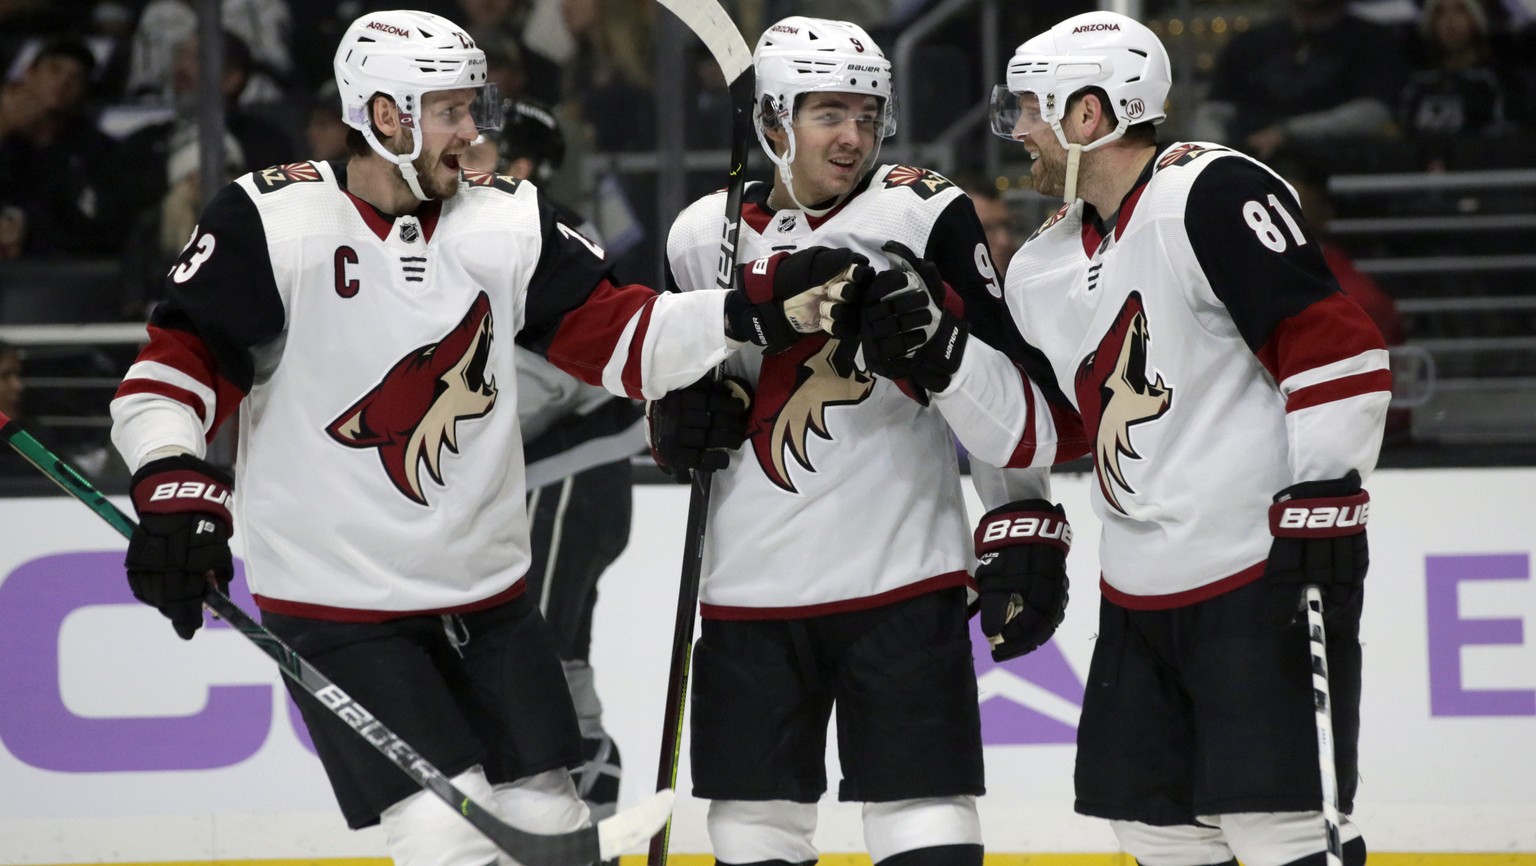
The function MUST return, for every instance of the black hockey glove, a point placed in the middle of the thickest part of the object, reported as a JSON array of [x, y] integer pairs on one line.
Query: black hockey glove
[[1319, 530], [782, 296], [692, 428], [906, 330], [183, 534], [1022, 575]]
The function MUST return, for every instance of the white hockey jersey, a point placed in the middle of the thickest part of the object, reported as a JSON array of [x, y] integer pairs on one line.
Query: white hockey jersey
[[1212, 357], [847, 493], [380, 469]]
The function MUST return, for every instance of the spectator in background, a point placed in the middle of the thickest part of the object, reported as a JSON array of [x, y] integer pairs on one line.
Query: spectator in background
[[609, 78], [1315, 74], [11, 389], [53, 160], [1461, 91], [263, 142], [996, 220], [111, 38], [498, 26], [162, 230], [326, 132], [504, 66], [1310, 179], [13, 231], [165, 25], [11, 385]]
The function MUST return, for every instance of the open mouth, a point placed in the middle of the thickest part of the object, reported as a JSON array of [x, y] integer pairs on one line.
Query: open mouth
[[451, 160]]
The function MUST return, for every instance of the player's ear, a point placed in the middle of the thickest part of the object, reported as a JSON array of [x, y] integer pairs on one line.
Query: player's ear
[[386, 116], [1094, 113]]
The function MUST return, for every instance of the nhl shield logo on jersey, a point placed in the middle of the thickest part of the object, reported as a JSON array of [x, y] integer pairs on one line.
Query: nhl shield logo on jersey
[[925, 183], [279, 176], [414, 411], [1115, 394], [503, 182], [794, 389]]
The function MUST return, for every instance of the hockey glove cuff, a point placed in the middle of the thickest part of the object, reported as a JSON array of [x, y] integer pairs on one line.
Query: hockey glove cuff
[[1021, 575], [182, 537], [911, 326], [694, 427], [1319, 531], [784, 295]]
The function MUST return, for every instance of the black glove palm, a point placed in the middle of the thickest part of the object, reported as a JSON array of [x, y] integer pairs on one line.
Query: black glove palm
[[1319, 530], [693, 427], [906, 331], [1022, 575], [781, 296], [182, 536]]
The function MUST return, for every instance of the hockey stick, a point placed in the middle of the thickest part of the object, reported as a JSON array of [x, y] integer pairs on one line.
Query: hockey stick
[[1323, 703], [602, 841], [718, 32]]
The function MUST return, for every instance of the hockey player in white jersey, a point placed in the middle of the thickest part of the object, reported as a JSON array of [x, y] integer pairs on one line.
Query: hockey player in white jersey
[[1234, 399], [836, 561], [362, 317]]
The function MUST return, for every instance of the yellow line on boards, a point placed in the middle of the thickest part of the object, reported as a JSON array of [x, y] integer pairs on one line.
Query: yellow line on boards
[[1525, 858]]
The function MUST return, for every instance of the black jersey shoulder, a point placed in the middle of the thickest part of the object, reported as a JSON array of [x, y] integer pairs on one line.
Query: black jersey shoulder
[[1252, 242], [222, 287], [570, 267]]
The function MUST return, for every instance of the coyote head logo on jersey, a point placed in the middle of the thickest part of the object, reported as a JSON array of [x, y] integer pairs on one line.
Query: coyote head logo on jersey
[[413, 413], [1115, 395], [794, 389]]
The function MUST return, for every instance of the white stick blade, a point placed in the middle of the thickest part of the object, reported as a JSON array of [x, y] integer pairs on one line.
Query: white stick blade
[[717, 31], [635, 825]]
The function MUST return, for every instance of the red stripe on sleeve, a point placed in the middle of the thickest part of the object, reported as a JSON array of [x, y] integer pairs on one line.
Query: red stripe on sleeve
[[589, 335], [633, 382], [1332, 329], [1024, 452], [163, 389], [1338, 389], [184, 352]]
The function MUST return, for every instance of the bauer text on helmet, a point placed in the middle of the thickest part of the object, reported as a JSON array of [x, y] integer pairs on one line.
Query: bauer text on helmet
[[1096, 49]]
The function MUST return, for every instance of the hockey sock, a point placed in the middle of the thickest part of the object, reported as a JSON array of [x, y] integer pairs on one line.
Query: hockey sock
[[937, 855]]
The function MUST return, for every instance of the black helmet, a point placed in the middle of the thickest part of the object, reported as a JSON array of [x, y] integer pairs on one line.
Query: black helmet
[[530, 131]]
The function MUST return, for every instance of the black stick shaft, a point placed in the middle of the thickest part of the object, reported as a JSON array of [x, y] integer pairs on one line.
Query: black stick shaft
[[742, 133]]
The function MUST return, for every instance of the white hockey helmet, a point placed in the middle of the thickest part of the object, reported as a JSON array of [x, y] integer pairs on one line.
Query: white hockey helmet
[[404, 54], [799, 55], [1096, 49]]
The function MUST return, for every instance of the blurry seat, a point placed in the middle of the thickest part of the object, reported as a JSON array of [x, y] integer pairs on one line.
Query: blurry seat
[[42, 292]]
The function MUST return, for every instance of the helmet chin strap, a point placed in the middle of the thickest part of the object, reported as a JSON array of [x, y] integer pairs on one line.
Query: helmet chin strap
[[405, 162], [1075, 154], [788, 176], [408, 171], [1074, 157]]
